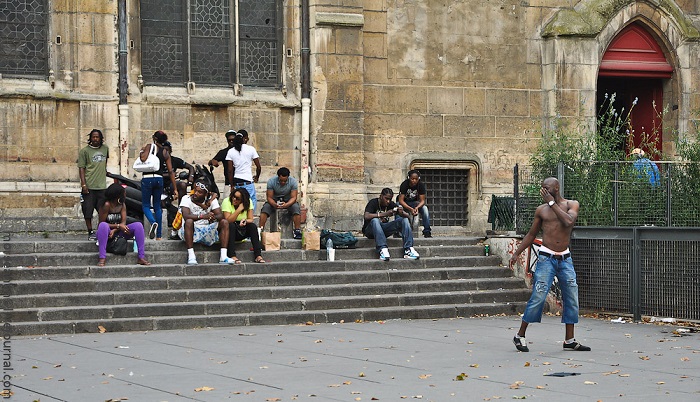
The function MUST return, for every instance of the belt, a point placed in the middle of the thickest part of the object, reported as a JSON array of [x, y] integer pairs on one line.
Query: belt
[[242, 182], [152, 174], [555, 256]]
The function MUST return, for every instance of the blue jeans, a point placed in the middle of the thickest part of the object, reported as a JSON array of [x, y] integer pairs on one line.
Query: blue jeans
[[251, 190], [424, 215], [379, 230], [547, 269], [152, 187]]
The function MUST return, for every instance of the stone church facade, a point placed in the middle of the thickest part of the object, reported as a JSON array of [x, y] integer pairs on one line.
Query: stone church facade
[[348, 94]]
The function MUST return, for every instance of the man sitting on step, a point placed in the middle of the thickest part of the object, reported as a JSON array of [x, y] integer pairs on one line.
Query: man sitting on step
[[377, 225], [282, 191], [203, 222]]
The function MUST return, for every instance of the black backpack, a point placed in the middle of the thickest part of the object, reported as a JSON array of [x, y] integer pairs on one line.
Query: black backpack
[[340, 240]]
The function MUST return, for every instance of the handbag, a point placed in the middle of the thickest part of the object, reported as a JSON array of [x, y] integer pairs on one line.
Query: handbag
[[117, 245], [177, 222], [151, 164]]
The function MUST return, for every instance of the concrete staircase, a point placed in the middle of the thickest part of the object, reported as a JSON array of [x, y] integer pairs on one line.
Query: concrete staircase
[[54, 286]]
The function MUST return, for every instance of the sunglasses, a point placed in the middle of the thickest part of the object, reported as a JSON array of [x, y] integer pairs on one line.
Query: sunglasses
[[201, 186], [237, 198]]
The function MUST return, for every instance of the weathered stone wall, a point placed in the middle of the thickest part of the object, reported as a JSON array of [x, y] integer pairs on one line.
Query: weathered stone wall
[[395, 84]]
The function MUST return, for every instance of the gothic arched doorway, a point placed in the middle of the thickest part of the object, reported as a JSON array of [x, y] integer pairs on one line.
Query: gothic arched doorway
[[634, 67]]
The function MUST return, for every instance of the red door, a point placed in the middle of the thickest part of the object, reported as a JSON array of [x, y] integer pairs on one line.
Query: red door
[[634, 67]]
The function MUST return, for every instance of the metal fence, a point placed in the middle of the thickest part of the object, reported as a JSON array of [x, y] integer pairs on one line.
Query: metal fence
[[652, 271], [615, 193]]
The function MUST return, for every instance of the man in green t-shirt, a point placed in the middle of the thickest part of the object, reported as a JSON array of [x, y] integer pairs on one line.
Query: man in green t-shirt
[[92, 167]]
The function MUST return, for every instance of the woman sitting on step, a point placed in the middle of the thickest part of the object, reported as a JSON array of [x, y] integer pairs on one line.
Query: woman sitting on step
[[113, 223], [238, 211]]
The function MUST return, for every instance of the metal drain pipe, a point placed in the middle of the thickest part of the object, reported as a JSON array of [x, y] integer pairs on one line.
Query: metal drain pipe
[[123, 89]]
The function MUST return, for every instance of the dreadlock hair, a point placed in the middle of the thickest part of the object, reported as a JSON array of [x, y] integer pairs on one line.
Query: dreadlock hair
[[102, 137]]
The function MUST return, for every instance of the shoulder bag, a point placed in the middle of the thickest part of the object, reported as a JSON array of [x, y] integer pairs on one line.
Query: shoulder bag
[[151, 164]]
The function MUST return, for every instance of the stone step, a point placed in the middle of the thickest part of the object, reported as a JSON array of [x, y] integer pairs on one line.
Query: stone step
[[257, 306], [269, 318], [417, 272], [211, 255], [73, 243], [78, 299], [55, 287]]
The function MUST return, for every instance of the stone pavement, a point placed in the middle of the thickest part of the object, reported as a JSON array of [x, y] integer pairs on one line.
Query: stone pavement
[[384, 361]]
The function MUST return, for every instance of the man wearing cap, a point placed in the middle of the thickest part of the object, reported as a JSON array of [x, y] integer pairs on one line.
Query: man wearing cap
[[220, 156], [203, 222]]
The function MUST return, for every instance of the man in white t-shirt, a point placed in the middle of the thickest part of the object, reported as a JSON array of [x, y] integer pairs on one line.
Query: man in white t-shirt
[[239, 166], [203, 222]]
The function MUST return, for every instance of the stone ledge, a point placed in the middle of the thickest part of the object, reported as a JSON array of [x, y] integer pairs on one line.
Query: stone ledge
[[340, 19]]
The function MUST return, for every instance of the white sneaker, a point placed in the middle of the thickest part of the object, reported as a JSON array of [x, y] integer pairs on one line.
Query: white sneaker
[[227, 260], [411, 254], [152, 231], [192, 261], [384, 254]]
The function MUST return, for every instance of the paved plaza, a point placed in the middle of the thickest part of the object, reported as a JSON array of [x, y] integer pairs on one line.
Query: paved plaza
[[470, 359]]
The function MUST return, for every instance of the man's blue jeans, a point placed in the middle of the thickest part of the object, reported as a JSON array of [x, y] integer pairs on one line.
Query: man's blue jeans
[[547, 269], [251, 191], [424, 216], [152, 187], [379, 230]]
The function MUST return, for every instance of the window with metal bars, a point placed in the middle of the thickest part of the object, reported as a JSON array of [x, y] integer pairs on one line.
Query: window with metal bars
[[24, 38], [210, 42], [447, 196]]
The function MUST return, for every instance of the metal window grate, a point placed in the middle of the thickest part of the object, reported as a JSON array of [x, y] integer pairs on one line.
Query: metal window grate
[[23, 37], [603, 273], [447, 195]]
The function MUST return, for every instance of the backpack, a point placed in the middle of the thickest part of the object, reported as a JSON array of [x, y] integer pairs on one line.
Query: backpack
[[340, 240]]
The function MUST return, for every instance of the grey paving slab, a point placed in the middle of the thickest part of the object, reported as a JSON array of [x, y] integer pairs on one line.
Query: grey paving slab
[[385, 361]]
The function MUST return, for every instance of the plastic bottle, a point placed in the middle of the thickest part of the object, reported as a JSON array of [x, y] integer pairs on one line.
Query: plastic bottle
[[330, 251]]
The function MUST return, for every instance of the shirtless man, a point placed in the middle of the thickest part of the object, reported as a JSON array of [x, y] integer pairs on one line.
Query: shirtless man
[[556, 218]]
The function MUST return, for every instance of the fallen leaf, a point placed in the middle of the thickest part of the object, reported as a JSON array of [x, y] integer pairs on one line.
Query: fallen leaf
[[361, 374], [483, 376], [347, 382], [644, 357], [101, 329], [424, 376], [273, 399], [624, 375], [203, 389], [318, 341], [527, 364], [546, 363], [461, 377], [590, 382], [540, 387], [355, 392], [684, 359], [474, 365], [334, 386], [661, 383]]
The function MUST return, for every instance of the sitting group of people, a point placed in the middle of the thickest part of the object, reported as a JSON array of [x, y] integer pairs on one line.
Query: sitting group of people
[[205, 218], [410, 203]]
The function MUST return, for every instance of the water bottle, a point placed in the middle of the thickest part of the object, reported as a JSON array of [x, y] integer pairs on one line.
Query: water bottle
[[330, 251]]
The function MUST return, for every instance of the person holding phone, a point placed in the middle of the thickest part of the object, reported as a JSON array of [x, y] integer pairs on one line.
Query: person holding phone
[[377, 225]]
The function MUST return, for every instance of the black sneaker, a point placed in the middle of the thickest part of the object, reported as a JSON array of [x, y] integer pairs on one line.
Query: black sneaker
[[427, 235], [92, 236], [152, 231], [297, 234], [520, 344], [576, 346]]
